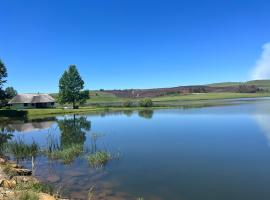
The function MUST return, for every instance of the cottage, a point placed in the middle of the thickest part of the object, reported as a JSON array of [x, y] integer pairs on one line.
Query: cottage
[[22, 101]]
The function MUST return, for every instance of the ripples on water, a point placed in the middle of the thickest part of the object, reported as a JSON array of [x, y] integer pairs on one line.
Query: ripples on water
[[205, 153]]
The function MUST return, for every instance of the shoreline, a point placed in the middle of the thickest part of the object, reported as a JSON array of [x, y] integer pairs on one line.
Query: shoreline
[[173, 103], [17, 182]]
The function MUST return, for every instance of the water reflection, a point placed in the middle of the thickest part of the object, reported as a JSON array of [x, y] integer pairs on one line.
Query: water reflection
[[29, 125], [128, 113], [262, 117], [6, 134], [73, 130], [72, 137], [147, 114]]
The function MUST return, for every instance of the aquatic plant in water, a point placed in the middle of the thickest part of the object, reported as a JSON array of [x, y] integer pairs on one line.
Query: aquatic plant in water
[[65, 153], [99, 159], [20, 150]]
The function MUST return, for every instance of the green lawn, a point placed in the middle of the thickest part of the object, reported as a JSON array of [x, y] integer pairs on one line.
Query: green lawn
[[209, 96], [263, 84], [37, 113]]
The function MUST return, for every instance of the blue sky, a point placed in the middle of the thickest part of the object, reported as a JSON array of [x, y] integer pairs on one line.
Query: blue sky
[[131, 43]]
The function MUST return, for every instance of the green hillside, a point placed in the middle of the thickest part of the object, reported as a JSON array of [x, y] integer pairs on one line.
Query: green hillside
[[105, 98], [263, 84]]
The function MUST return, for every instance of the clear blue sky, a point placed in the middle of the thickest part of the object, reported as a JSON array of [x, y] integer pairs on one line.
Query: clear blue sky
[[131, 43]]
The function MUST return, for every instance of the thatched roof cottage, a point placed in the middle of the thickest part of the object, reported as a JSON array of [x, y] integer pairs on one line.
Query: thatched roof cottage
[[32, 101]]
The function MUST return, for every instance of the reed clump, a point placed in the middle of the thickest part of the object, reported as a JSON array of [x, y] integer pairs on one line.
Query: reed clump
[[99, 159]]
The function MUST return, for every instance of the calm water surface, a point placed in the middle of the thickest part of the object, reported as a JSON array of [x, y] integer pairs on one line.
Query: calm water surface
[[207, 153]]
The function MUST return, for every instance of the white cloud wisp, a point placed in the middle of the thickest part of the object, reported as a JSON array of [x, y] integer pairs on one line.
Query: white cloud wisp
[[262, 67]]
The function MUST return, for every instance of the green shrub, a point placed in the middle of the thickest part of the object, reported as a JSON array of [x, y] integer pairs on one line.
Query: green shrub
[[128, 103], [146, 102]]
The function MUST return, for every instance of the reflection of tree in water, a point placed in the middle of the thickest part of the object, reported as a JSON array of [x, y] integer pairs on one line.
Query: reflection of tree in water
[[71, 143], [128, 112], [148, 114], [73, 130], [6, 134]]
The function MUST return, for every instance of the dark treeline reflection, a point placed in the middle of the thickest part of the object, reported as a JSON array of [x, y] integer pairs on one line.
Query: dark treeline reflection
[[6, 134], [73, 130], [128, 112], [147, 114]]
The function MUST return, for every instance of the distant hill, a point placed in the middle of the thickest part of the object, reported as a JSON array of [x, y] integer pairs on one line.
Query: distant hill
[[263, 84], [254, 86]]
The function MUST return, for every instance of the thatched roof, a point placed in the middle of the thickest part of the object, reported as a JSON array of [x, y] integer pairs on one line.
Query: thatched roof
[[32, 98]]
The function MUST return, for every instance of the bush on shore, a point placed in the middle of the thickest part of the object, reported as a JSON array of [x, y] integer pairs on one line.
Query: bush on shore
[[128, 103], [146, 102]]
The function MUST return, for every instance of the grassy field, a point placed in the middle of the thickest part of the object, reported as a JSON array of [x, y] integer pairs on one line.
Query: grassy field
[[263, 84], [188, 100], [209, 96], [37, 113], [107, 98]]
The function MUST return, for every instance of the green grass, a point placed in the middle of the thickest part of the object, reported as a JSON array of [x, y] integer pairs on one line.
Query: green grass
[[99, 159], [208, 96], [27, 195], [35, 187], [98, 96], [67, 154], [263, 84]]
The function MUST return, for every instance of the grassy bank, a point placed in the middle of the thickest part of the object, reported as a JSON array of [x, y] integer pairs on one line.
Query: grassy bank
[[115, 104], [209, 96], [32, 113]]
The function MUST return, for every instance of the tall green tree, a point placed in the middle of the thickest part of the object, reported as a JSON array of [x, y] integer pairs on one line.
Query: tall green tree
[[10, 92], [71, 86], [3, 76]]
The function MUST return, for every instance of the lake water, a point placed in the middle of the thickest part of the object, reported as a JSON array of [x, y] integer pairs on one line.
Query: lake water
[[176, 154]]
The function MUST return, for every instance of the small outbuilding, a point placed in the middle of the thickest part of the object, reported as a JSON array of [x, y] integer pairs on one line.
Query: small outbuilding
[[23, 101]]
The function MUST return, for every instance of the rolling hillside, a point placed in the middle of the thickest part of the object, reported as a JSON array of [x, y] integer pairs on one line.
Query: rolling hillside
[[257, 86], [264, 84]]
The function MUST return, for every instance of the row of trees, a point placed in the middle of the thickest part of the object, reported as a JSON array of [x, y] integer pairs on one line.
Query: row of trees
[[9, 92]]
